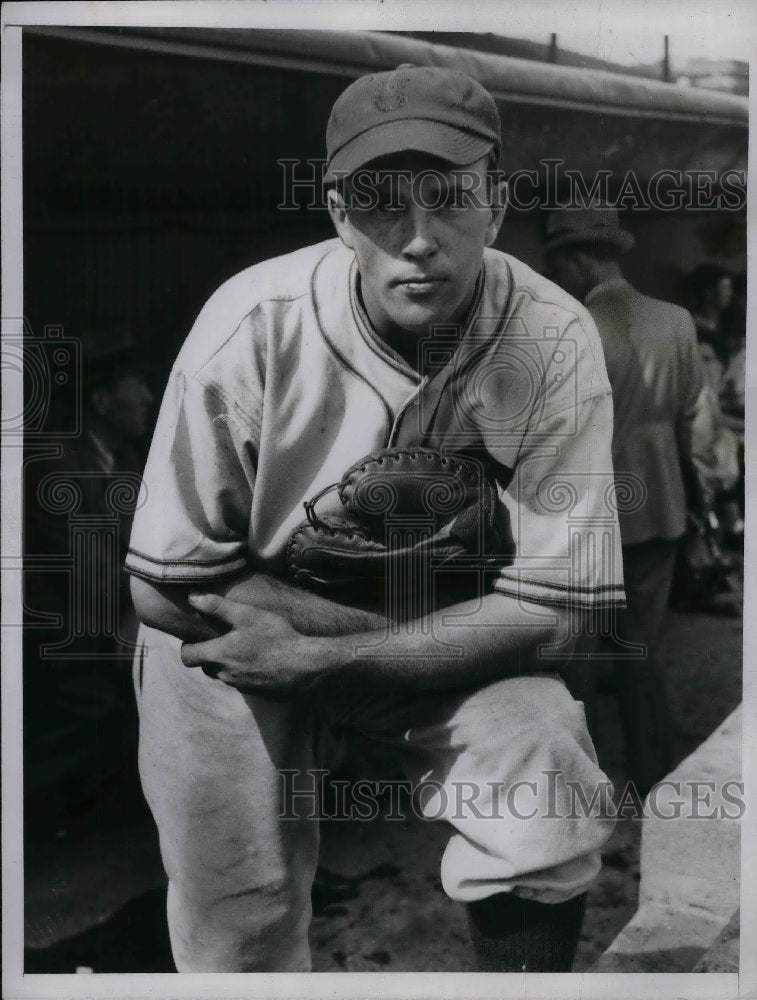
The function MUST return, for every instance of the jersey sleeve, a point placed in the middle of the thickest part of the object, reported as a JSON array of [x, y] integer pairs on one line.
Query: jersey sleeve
[[199, 478], [563, 497]]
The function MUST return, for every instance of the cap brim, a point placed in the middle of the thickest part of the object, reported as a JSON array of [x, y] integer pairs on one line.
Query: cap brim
[[433, 138], [116, 365], [619, 238]]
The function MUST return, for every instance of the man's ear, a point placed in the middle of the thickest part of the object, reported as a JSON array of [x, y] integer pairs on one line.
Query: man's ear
[[499, 198], [100, 400], [339, 216]]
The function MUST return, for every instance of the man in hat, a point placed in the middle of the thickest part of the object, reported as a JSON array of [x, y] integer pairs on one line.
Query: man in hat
[[710, 296], [654, 369], [295, 370], [79, 504]]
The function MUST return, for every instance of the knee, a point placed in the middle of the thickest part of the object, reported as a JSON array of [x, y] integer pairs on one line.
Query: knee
[[539, 705], [241, 932]]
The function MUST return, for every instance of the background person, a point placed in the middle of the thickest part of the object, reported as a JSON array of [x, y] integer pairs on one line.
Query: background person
[[79, 724], [655, 371], [720, 303], [709, 293], [732, 403]]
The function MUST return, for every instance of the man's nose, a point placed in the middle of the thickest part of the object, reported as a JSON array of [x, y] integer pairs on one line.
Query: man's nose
[[147, 396], [420, 237]]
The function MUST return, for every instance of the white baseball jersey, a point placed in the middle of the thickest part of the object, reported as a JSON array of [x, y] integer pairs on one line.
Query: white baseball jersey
[[282, 384]]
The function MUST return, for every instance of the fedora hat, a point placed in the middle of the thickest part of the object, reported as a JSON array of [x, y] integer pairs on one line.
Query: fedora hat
[[567, 227]]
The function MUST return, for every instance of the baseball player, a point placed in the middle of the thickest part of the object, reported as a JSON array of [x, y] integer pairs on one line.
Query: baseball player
[[405, 330]]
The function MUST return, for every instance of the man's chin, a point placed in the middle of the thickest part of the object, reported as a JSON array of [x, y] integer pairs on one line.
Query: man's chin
[[419, 322]]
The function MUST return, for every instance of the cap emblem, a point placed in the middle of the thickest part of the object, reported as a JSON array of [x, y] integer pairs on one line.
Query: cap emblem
[[391, 97]]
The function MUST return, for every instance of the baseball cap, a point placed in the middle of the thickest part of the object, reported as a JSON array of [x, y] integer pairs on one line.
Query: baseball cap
[[106, 367], [429, 109]]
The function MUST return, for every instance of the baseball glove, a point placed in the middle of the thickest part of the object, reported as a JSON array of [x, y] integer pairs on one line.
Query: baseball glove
[[413, 525]]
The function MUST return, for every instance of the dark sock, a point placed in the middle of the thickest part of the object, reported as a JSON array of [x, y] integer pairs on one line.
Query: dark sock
[[511, 934]]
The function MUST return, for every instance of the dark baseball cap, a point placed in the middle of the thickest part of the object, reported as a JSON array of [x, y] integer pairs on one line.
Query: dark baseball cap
[[104, 368], [428, 109]]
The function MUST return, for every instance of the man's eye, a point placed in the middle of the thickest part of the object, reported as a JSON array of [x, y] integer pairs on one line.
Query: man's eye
[[388, 207], [457, 198]]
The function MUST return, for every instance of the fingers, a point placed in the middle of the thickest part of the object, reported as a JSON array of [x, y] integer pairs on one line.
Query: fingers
[[201, 654], [231, 612]]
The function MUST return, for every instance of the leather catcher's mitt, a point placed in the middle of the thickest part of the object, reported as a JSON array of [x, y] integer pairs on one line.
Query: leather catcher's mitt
[[412, 520]]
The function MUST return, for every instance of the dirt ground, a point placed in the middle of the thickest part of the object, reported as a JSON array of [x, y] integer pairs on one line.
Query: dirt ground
[[95, 891]]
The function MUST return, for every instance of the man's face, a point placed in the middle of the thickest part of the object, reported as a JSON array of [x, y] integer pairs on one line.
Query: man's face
[[564, 267], [724, 292], [418, 227], [126, 406]]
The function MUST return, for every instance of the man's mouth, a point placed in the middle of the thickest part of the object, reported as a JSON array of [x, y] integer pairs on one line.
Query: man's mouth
[[419, 283]]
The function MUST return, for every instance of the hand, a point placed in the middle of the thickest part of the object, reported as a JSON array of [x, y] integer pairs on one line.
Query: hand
[[261, 654]]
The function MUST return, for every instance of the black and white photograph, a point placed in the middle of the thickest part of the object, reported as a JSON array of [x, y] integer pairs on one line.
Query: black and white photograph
[[377, 500]]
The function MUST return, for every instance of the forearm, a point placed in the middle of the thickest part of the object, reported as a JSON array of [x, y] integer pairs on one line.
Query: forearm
[[309, 613], [166, 607], [466, 645]]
